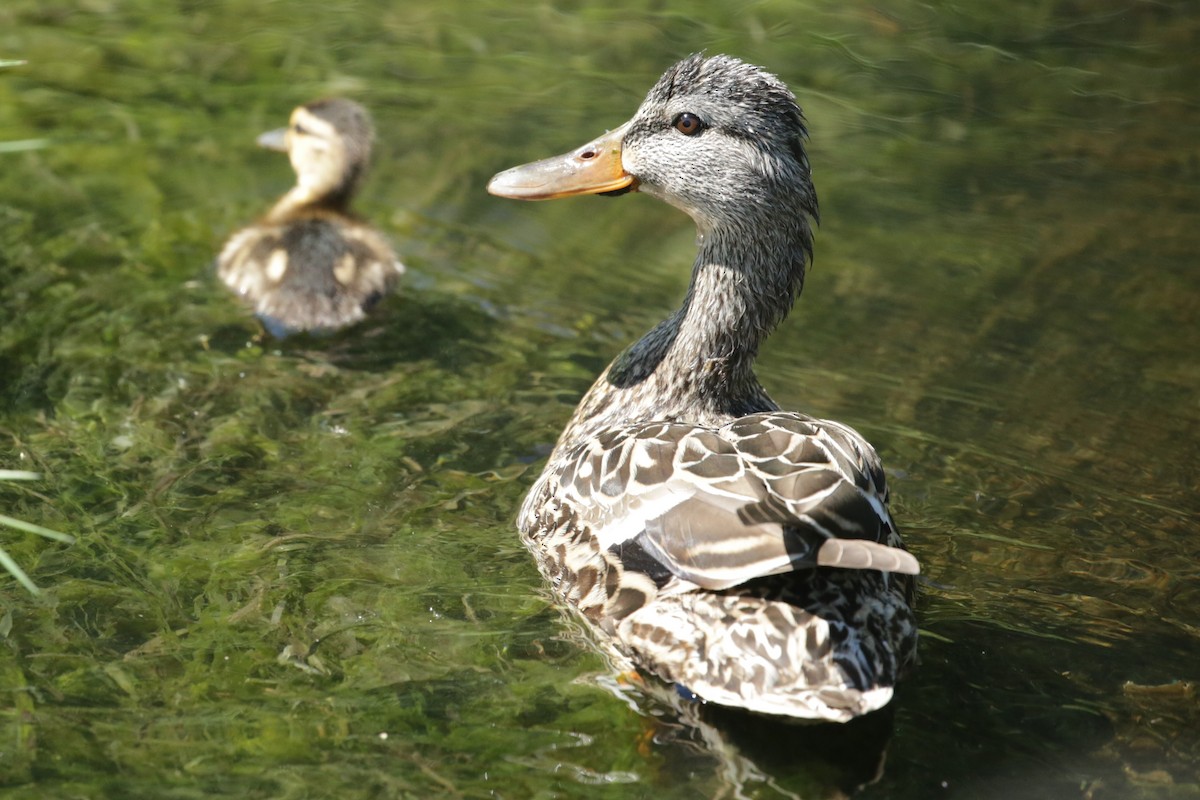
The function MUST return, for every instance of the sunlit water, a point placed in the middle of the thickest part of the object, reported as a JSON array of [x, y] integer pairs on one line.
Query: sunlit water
[[297, 574]]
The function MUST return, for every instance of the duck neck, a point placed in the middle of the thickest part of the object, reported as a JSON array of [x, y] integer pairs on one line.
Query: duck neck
[[698, 365], [304, 197]]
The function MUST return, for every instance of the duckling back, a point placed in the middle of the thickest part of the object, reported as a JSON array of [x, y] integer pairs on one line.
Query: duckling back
[[316, 273]]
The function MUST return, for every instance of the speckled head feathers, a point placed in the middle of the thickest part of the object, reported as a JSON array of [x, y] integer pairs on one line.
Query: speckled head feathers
[[761, 104], [741, 155]]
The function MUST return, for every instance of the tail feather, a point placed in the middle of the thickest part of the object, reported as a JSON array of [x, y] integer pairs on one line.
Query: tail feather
[[865, 554]]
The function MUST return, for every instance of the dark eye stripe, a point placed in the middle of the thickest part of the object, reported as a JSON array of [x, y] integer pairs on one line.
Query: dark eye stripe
[[688, 124]]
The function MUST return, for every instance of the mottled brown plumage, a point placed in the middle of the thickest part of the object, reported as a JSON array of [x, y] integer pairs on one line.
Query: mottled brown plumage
[[741, 551], [310, 265]]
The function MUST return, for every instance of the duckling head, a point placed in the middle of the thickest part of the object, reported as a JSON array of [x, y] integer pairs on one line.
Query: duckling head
[[329, 143], [718, 138]]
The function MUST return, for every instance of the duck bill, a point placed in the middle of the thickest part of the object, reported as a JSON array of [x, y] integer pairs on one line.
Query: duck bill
[[595, 168], [274, 140]]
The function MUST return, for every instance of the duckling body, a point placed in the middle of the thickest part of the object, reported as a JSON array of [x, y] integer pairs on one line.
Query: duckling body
[[740, 551], [310, 265]]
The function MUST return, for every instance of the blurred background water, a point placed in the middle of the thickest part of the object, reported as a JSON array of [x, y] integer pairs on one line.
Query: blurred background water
[[296, 573]]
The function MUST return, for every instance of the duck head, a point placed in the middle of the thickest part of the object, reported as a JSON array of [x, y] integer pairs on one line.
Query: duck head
[[718, 138], [329, 143]]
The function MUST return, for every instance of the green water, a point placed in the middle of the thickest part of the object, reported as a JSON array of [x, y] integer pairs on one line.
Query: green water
[[296, 574]]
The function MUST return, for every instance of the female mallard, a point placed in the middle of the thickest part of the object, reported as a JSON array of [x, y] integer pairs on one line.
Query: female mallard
[[743, 552], [309, 265]]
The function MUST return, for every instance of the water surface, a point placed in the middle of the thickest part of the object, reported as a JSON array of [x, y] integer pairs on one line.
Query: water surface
[[296, 573]]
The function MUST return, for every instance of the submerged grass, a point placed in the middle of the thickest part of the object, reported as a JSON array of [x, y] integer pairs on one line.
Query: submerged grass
[[6, 560]]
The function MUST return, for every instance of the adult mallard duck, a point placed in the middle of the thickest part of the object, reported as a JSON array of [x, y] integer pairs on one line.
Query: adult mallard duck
[[309, 265], [744, 553]]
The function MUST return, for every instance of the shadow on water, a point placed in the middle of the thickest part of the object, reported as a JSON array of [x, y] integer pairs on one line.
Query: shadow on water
[[991, 709], [413, 326], [991, 712]]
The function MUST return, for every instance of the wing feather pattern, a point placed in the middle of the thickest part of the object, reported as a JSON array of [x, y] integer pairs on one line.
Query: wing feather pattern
[[766, 494]]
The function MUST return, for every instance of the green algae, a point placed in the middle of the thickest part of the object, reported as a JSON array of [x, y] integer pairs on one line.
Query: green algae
[[295, 572]]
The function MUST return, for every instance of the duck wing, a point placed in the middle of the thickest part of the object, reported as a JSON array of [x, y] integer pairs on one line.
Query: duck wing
[[716, 507]]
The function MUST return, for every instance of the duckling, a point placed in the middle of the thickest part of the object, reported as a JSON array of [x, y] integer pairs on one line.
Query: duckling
[[742, 552], [310, 265]]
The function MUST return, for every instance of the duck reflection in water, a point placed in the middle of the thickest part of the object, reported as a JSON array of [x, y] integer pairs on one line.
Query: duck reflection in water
[[754, 755]]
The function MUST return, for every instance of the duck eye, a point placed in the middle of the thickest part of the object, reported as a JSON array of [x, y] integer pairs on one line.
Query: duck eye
[[299, 129], [688, 124]]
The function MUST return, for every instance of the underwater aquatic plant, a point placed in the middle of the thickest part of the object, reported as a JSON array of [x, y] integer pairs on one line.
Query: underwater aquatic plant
[[15, 474], [18, 145], [6, 560]]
